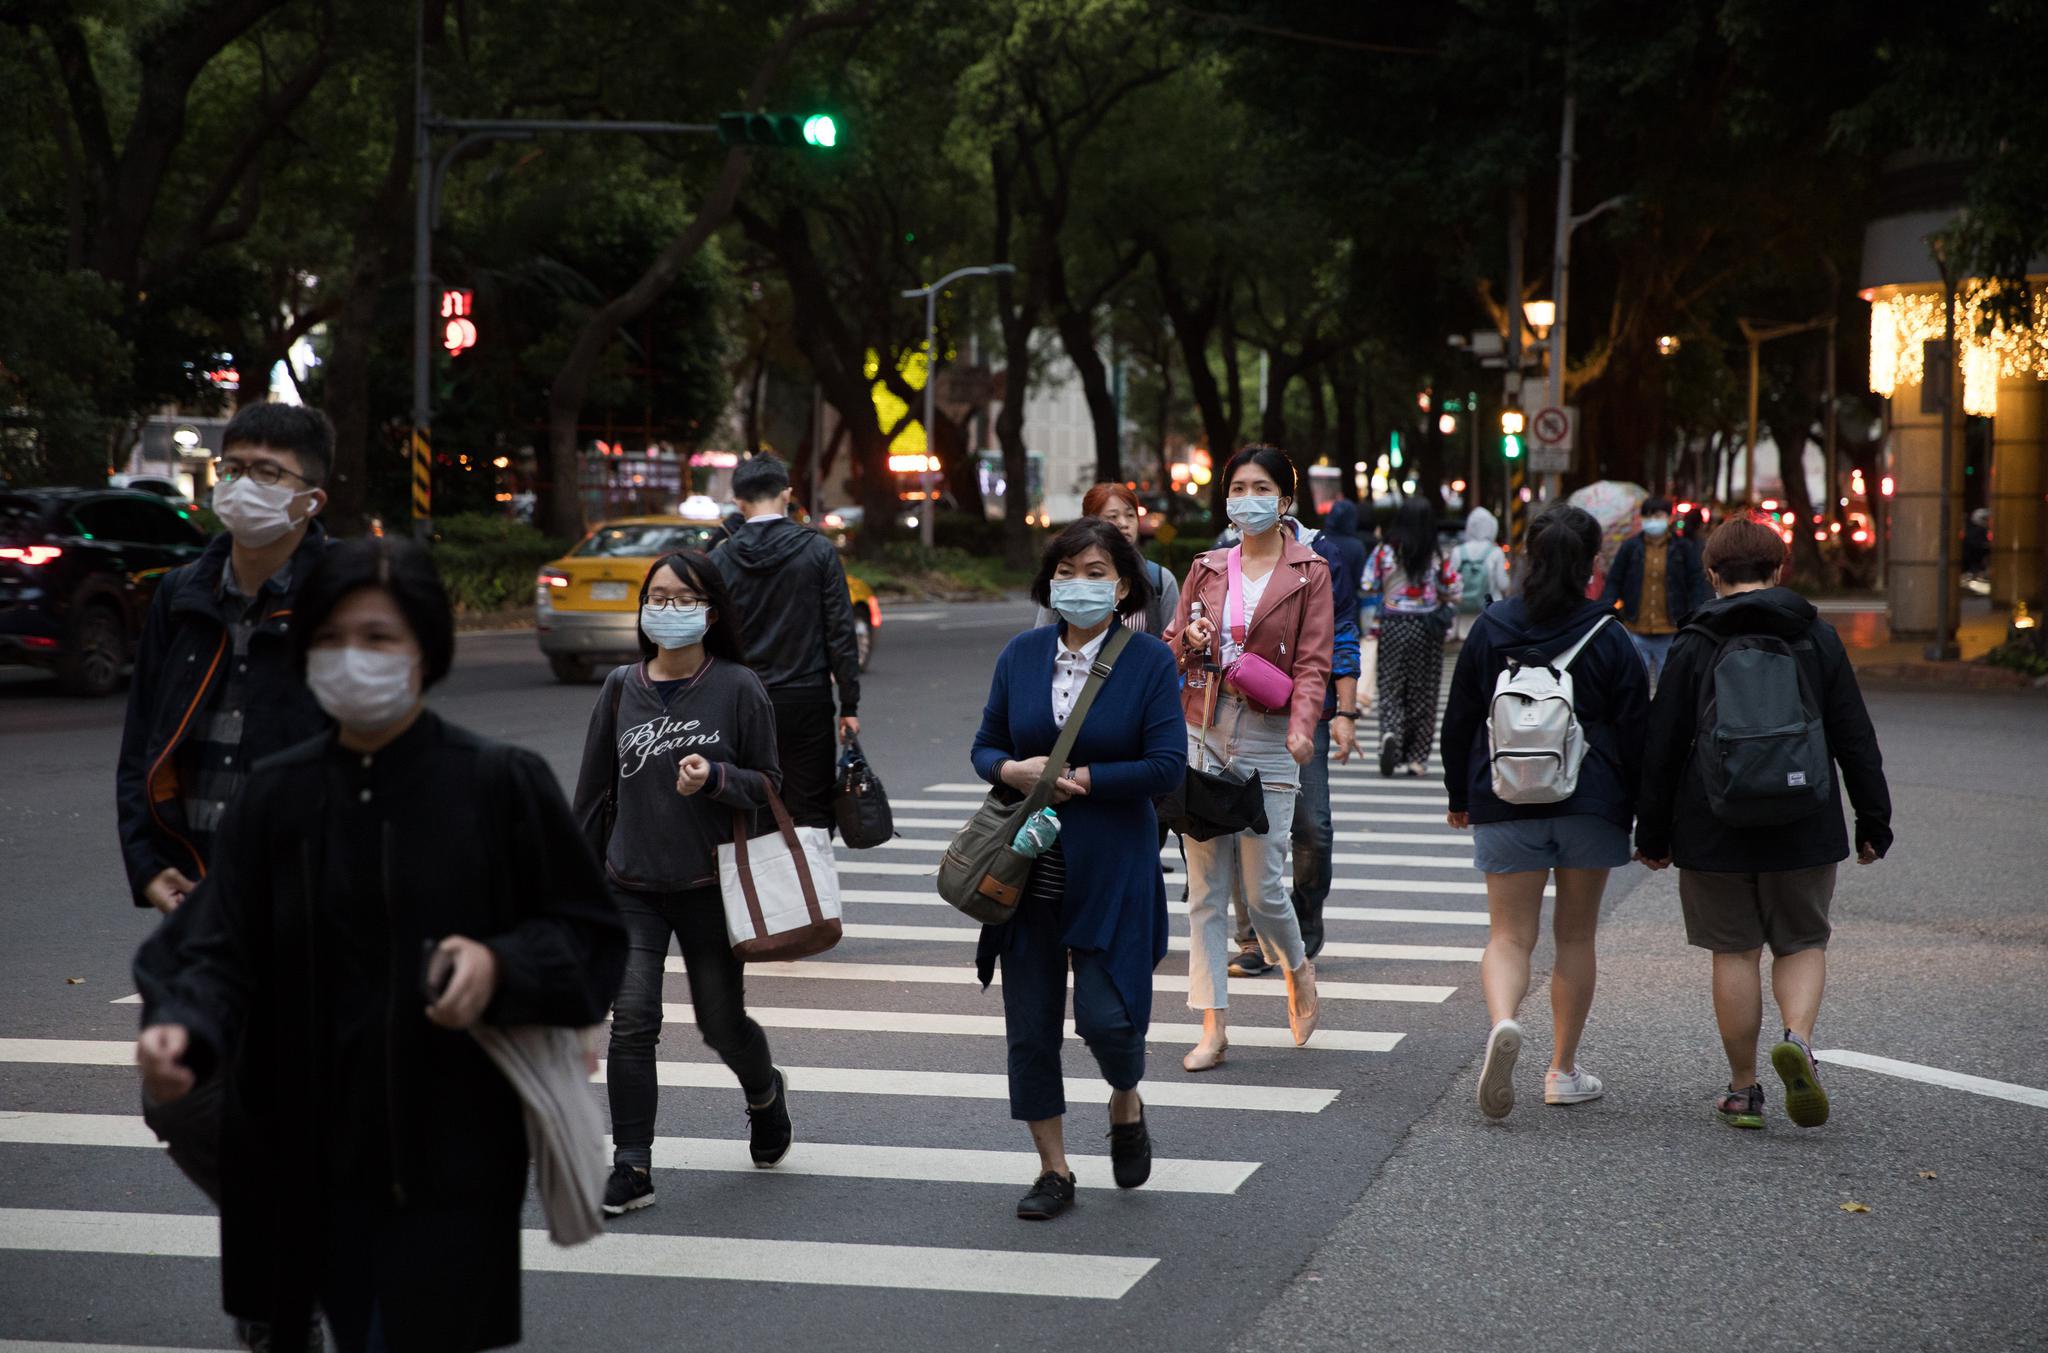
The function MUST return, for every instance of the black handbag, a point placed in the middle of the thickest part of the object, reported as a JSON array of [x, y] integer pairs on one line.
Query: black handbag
[[1213, 803], [860, 805]]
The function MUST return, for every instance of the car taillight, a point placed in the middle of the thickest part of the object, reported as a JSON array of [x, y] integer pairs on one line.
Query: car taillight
[[35, 556], [552, 577]]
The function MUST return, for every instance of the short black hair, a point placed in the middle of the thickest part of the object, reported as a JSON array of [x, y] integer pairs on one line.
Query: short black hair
[[694, 567], [1076, 538], [1656, 505], [399, 567], [1271, 459], [759, 477], [304, 432]]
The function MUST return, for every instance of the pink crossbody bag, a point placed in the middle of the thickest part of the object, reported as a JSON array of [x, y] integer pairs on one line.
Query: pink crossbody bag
[[1251, 676]]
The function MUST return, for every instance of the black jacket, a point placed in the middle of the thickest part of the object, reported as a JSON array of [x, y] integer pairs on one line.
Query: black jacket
[[794, 614], [179, 662], [1610, 690], [1675, 822], [295, 968], [1685, 582]]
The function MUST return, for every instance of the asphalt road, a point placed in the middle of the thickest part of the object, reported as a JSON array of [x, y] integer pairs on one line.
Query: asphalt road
[[1341, 1195]]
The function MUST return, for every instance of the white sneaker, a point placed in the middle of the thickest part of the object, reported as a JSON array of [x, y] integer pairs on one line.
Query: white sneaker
[[1576, 1088], [1496, 1077]]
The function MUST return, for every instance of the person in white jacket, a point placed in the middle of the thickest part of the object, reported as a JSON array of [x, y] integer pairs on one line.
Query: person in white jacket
[[1482, 569]]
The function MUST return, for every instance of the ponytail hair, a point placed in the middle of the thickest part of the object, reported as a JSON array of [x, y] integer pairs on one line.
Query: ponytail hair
[[1563, 542]]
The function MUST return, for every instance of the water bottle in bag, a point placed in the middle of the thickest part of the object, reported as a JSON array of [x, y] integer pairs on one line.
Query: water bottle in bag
[[1037, 834]]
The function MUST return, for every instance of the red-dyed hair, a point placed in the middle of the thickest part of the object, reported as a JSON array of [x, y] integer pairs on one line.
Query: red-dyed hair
[[1099, 496]]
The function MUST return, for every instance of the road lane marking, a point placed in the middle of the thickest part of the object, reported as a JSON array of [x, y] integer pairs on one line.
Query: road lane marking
[[970, 934], [69, 1051], [923, 1164], [1934, 1075], [964, 975], [1400, 915], [992, 1026], [926, 1268], [1165, 1094]]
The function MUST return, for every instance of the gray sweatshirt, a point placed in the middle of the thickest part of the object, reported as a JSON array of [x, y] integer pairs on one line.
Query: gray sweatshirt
[[663, 842]]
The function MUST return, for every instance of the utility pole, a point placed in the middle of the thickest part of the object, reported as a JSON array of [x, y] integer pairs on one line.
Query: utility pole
[[1944, 648], [422, 292], [1757, 334], [1561, 265], [930, 510], [1511, 474]]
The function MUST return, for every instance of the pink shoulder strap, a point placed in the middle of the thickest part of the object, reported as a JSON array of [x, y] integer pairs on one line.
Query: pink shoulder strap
[[1233, 602]]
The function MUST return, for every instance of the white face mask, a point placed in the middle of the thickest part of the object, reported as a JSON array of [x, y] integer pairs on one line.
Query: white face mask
[[255, 514], [362, 687]]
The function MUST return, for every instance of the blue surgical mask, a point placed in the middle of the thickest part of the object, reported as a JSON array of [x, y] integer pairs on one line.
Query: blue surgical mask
[[1253, 516], [1084, 602], [1656, 526], [675, 626]]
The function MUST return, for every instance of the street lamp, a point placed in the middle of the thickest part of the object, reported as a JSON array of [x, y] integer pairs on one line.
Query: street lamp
[[1541, 315], [931, 370]]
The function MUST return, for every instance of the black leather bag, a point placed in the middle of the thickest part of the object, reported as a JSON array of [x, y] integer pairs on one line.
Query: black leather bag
[[860, 806], [1213, 803]]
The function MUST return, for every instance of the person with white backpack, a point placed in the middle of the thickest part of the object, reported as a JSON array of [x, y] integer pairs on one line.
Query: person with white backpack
[[1542, 748], [1482, 567]]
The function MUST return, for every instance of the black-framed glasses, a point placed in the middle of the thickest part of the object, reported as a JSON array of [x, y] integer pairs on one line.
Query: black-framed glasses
[[265, 472], [674, 603]]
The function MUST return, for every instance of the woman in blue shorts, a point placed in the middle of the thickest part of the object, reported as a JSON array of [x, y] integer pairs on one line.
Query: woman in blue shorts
[[1519, 846]]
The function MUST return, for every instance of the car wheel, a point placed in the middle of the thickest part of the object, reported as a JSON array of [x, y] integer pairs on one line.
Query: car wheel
[[95, 651], [863, 638], [570, 671]]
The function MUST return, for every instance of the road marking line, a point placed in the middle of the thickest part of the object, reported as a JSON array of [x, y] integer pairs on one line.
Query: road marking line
[[838, 1080], [927, 1268], [1417, 915], [922, 1164], [963, 975], [69, 1051], [1934, 1075], [968, 934], [52, 1346], [1173, 853], [991, 1026]]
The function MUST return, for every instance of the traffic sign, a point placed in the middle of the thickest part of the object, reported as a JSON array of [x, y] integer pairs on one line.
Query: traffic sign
[[1550, 459], [1554, 426]]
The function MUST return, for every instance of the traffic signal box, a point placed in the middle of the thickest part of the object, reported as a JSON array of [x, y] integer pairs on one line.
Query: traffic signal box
[[812, 131]]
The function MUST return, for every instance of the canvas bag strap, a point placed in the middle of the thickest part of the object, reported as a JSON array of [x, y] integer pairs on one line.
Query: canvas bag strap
[[1233, 600], [802, 861], [1041, 793], [1564, 659]]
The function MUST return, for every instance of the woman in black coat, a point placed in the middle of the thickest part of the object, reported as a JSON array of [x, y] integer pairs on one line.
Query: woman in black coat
[[374, 1159]]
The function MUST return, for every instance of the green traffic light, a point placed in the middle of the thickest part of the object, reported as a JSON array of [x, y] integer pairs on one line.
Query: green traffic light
[[1511, 447], [820, 130]]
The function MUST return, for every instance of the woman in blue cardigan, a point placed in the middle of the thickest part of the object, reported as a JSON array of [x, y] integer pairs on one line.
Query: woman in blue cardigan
[[1096, 902]]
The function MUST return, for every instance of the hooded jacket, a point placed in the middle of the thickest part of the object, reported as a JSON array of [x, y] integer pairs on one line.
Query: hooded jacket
[[180, 662], [1675, 822], [1609, 687], [1482, 544], [794, 614]]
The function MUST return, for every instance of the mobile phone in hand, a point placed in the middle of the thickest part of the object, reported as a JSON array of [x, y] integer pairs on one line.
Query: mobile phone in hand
[[437, 969]]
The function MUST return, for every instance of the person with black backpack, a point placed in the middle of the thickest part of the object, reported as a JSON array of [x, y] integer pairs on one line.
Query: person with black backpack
[[1756, 708], [1542, 739]]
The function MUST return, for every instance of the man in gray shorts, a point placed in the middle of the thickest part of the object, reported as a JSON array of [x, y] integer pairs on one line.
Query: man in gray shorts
[[1744, 886]]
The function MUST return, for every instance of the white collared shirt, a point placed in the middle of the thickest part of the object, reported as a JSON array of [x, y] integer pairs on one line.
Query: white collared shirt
[[1070, 673], [765, 516]]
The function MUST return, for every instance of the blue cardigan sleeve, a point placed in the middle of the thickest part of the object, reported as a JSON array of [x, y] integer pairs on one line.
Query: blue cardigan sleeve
[[992, 740], [1158, 714]]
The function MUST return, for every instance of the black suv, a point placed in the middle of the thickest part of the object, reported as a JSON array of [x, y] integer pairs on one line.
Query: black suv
[[77, 570]]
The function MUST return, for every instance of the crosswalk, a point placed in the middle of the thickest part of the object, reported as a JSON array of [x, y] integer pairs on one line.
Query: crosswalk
[[895, 1061]]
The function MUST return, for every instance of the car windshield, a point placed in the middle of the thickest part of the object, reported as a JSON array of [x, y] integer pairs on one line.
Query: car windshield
[[646, 541]]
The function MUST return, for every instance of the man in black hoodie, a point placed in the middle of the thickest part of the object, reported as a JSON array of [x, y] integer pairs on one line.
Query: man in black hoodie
[[1743, 887], [797, 623]]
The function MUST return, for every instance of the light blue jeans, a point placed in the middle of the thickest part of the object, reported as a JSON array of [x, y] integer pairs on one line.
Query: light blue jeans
[[1653, 649], [1244, 740]]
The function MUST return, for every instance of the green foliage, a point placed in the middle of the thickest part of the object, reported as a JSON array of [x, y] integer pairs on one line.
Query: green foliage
[[488, 562], [2019, 657]]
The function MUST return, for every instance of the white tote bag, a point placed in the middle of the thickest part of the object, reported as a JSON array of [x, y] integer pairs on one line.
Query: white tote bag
[[781, 890]]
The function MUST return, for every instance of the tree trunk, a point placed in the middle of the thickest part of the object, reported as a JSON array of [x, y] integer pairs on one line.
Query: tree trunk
[[1010, 434], [1280, 374], [347, 402], [963, 475], [1344, 390], [1077, 336]]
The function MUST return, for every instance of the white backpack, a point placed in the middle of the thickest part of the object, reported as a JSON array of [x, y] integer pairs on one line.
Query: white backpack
[[1533, 737]]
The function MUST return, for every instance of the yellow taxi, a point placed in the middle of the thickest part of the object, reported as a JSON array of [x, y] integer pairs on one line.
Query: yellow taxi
[[587, 603]]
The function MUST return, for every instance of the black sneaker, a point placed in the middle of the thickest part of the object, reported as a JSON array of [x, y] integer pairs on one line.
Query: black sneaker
[[627, 1190], [260, 1336], [1250, 963], [1050, 1196], [1386, 756], [768, 1130], [1130, 1152]]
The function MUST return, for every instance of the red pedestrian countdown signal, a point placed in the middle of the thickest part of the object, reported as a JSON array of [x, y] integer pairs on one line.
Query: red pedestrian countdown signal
[[458, 331]]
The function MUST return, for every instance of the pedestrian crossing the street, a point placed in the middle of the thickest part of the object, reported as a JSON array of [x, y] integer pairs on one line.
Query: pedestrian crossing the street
[[895, 1060]]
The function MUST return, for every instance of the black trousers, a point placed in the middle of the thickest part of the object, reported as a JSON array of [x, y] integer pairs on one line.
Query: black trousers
[[807, 745], [718, 998]]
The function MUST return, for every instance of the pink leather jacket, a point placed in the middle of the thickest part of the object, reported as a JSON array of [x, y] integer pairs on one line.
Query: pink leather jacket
[[1292, 627]]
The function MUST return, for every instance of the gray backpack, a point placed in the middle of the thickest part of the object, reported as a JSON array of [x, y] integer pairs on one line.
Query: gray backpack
[[1761, 745], [1534, 740]]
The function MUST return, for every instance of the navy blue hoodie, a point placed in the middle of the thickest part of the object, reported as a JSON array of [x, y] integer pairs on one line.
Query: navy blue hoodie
[[1609, 686]]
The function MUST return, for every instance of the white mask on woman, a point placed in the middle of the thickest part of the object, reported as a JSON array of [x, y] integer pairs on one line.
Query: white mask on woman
[[363, 688]]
